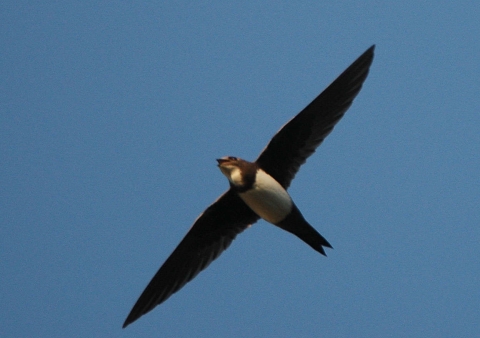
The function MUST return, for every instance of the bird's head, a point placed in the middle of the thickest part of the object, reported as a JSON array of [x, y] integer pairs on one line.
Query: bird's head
[[236, 169], [230, 167]]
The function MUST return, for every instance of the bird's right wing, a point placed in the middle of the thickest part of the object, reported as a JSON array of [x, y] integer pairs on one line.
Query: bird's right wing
[[210, 235]]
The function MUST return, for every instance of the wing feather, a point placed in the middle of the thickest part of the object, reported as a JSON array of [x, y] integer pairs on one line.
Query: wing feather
[[299, 137], [212, 233]]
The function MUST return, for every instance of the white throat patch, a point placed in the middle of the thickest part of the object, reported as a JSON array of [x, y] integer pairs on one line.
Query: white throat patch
[[233, 173], [236, 176]]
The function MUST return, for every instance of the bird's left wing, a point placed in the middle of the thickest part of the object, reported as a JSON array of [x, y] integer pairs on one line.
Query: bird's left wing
[[299, 138], [212, 233]]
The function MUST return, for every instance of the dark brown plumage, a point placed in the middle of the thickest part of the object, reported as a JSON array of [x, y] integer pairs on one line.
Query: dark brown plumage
[[214, 230]]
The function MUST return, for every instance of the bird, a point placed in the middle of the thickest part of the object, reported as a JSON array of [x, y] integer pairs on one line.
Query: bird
[[258, 190]]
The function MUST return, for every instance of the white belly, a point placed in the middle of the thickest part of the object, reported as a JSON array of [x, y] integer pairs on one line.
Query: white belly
[[267, 198]]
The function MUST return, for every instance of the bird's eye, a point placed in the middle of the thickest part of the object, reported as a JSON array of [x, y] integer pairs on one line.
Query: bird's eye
[[232, 158]]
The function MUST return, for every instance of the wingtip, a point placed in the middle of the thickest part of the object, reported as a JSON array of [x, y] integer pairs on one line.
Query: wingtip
[[126, 323], [130, 319], [370, 52], [370, 49]]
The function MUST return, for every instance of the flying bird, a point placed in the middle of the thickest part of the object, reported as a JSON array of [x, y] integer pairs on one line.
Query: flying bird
[[258, 190]]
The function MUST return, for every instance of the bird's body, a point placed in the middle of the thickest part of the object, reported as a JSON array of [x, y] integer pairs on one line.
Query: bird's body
[[258, 190], [267, 198]]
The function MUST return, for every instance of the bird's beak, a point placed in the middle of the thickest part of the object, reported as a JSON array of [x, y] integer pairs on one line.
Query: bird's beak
[[221, 161]]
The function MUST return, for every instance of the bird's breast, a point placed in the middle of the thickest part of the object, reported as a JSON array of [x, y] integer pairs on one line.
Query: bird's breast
[[267, 198]]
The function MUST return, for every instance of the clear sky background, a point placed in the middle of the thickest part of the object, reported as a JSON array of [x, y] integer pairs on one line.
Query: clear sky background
[[112, 116]]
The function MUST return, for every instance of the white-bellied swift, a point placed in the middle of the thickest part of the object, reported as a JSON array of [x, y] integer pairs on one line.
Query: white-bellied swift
[[258, 190]]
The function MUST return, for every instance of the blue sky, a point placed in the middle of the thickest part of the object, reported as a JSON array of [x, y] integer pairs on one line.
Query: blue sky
[[112, 115]]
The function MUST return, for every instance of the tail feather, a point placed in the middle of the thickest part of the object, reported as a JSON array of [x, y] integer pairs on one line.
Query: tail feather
[[297, 225]]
